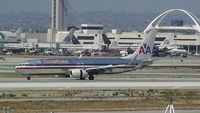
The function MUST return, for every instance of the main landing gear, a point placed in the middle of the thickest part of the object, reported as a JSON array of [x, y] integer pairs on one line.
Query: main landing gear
[[91, 77], [28, 78]]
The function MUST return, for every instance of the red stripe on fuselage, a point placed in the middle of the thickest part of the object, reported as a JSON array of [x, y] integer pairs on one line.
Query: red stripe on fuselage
[[28, 67]]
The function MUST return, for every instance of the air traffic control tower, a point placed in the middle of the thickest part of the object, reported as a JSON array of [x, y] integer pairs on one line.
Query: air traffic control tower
[[59, 11]]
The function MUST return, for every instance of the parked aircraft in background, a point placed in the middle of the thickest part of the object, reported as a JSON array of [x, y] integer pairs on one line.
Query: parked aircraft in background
[[178, 52], [72, 44], [168, 43], [69, 38], [69, 42], [12, 42], [10, 37], [83, 68], [168, 47]]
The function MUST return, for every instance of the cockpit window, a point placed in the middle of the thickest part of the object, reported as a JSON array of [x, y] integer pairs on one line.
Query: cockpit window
[[24, 64]]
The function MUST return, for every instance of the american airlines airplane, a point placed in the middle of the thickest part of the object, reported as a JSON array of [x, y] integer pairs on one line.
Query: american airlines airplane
[[82, 68], [169, 46]]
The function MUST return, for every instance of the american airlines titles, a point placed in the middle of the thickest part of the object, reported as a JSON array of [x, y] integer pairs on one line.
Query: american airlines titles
[[56, 61]]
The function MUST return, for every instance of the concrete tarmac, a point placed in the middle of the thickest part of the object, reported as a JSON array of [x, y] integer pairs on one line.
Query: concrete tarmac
[[58, 83]]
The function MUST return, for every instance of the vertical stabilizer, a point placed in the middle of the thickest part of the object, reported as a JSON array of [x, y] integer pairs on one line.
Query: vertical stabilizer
[[169, 41], [145, 49], [18, 32], [70, 38], [106, 40]]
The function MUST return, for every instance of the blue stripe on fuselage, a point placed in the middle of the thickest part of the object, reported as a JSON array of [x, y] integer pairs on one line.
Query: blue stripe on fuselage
[[77, 61]]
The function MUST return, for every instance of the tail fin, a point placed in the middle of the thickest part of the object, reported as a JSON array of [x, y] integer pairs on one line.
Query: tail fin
[[106, 40], [114, 45], [169, 40], [18, 32], [70, 38], [145, 49]]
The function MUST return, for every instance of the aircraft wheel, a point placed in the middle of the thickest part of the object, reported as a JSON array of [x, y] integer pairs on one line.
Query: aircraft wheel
[[28, 78], [91, 77]]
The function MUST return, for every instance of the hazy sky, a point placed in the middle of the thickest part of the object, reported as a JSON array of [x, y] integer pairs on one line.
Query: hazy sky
[[153, 6]]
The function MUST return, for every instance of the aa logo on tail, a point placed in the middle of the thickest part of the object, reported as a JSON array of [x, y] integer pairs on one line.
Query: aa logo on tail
[[166, 41], [145, 49]]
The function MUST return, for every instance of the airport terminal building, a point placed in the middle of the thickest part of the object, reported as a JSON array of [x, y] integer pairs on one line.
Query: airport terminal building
[[186, 32]]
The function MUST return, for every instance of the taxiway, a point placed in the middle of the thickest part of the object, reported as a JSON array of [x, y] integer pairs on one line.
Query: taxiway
[[46, 84]]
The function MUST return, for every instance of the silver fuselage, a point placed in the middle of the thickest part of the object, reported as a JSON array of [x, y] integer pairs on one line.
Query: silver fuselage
[[63, 65]]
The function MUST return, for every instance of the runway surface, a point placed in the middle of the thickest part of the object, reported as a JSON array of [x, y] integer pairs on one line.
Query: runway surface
[[58, 83]]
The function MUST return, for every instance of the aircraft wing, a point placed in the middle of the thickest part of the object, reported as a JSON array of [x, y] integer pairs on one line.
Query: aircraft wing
[[102, 69], [108, 68]]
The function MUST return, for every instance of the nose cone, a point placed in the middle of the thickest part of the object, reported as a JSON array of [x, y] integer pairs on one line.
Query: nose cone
[[17, 69]]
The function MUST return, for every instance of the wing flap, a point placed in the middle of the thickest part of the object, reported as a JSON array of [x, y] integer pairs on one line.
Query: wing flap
[[109, 68]]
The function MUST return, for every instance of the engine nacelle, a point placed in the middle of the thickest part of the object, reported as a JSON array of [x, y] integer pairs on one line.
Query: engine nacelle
[[78, 73]]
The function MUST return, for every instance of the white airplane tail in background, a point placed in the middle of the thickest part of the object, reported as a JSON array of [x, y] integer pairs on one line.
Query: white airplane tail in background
[[169, 41], [145, 49], [18, 32], [69, 38]]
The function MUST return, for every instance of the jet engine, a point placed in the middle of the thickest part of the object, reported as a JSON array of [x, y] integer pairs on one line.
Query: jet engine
[[78, 73]]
